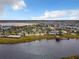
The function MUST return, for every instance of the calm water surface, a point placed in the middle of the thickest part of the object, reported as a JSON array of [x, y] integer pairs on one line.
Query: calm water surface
[[44, 49]]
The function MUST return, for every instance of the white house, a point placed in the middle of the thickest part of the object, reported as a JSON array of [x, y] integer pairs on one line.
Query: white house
[[2, 35], [54, 32], [64, 32], [13, 36]]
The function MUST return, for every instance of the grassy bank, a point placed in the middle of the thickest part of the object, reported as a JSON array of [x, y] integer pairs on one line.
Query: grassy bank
[[71, 57], [24, 39], [33, 38]]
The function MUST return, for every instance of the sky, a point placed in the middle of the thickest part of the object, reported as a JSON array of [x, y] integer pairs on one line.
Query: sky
[[39, 9]]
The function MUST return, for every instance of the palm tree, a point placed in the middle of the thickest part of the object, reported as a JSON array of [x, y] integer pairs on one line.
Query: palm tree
[[60, 32], [48, 30]]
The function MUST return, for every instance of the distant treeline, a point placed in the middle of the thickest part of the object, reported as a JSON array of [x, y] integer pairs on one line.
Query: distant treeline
[[39, 20]]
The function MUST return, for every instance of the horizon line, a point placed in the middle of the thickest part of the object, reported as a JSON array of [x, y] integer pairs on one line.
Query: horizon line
[[34, 20]]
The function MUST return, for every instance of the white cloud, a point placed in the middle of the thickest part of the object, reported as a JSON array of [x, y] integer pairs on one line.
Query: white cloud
[[15, 4], [58, 15], [19, 5]]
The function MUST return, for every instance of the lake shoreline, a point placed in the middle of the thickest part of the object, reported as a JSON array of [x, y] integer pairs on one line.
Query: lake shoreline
[[71, 57], [38, 37]]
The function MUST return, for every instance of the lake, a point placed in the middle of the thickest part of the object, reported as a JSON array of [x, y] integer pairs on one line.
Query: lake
[[44, 49]]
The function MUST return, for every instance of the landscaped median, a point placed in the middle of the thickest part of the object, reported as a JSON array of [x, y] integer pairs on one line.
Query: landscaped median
[[34, 37]]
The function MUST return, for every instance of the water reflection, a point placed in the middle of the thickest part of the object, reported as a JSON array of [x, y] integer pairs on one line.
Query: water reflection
[[43, 49]]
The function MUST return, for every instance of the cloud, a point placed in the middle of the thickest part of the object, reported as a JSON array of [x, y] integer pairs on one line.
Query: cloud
[[58, 15], [19, 5], [15, 4]]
